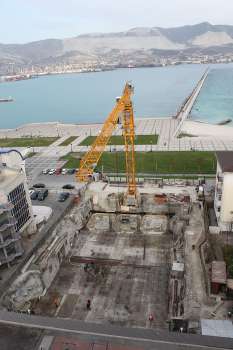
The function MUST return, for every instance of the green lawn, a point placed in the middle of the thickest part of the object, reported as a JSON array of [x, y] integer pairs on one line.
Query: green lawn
[[154, 162], [27, 141], [72, 160], [68, 141], [119, 140]]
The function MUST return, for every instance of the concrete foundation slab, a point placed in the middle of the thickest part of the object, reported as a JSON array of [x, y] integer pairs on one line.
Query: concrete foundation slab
[[154, 224]]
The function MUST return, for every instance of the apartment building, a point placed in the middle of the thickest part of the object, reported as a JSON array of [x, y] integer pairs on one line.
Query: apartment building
[[15, 213], [223, 202]]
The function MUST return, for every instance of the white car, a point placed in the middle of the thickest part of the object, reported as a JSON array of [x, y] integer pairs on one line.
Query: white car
[[52, 171], [64, 171], [45, 171]]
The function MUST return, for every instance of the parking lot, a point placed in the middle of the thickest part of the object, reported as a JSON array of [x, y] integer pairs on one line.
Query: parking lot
[[52, 202], [56, 182], [36, 164]]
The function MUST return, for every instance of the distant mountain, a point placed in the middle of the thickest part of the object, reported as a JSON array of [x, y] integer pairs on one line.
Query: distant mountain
[[180, 38], [138, 42]]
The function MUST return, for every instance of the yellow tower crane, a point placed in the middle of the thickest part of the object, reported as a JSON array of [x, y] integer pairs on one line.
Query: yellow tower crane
[[122, 112]]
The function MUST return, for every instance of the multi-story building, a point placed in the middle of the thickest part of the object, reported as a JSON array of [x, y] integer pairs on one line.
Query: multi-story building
[[15, 213], [223, 202]]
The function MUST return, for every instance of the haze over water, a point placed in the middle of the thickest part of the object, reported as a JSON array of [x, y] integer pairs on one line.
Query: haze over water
[[88, 98]]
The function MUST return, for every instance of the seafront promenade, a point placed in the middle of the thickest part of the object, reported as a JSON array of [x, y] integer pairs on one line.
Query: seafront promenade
[[211, 138], [193, 135], [178, 133]]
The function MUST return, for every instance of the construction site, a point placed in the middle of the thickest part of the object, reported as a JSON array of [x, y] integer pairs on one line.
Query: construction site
[[129, 254], [121, 261]]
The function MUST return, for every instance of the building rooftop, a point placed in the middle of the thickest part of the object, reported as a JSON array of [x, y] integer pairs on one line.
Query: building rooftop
[[225, 159], [217, 328], [219, 272]]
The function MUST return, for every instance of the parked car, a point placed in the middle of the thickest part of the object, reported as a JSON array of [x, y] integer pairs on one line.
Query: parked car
[[63, 196], [52, 171], [45, 171], [58, 171], [39, 185], [68, 187], [71, 171], [64, 171], [34, 195], [43, 194]]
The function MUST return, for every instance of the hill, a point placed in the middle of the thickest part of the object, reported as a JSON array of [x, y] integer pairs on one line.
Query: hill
[[139, 45]]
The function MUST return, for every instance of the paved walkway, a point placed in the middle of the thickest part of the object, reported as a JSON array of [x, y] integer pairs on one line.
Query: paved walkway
[[214, 138]]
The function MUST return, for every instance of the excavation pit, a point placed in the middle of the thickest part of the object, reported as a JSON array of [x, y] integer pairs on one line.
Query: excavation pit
[[124, 274]]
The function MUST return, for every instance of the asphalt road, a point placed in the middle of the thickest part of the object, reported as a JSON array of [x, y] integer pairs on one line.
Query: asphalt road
[[146, 338]]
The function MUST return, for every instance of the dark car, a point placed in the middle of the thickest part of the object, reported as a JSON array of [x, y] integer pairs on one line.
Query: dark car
[[71, 171], [63, 196], [68, 187], [42, 194], [39, 185], [34, 195]]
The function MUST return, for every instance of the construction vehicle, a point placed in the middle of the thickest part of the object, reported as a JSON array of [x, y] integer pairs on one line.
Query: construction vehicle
[[122, 113]]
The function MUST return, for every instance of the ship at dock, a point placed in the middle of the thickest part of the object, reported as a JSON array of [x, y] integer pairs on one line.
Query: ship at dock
[[7, 99]]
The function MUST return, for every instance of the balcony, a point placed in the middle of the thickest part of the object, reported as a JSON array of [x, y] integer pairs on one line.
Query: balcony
[[10, 257], [220, 178], [7, 224], [9, 241], [219, 188]]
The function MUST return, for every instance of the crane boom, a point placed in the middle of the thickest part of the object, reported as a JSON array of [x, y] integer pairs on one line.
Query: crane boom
[[124, 109]]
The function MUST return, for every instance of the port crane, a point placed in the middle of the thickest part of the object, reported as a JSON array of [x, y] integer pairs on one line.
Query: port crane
[[123, 114]]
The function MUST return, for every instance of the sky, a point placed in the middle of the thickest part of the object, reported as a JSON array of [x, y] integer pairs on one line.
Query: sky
[[29, 20]]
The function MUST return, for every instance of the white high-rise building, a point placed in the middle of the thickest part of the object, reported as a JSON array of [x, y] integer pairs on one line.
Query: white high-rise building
[[223, 203]]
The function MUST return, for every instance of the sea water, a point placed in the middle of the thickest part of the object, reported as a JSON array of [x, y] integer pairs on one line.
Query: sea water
[[215, 102], [89, 97]]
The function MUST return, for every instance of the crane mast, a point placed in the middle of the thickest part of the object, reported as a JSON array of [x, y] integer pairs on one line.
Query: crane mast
[[123, 111], [128, 133]]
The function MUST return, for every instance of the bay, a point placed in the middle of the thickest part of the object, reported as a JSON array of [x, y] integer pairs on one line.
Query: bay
[[89, 97]]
